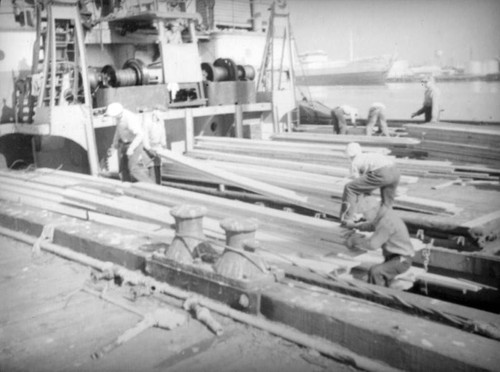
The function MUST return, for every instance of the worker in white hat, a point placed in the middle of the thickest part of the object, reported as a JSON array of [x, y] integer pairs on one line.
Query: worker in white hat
[[369, 172], [431, 105], [128, 141]]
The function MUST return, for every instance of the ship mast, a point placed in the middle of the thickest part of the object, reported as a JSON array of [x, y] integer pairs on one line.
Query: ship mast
[[351, 47]]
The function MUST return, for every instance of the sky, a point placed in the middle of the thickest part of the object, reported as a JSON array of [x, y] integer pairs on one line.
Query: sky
[[452, 32]]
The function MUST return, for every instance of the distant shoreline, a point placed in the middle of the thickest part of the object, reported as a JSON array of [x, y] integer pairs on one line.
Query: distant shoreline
[[446, 78]]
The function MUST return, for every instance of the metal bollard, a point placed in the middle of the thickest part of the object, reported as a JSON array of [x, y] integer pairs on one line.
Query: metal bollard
[[238, 260], [189, 236], [237, 231]]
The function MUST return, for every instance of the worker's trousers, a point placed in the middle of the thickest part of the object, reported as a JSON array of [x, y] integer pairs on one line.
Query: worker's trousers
[[383, 273], [338, 121], [376, 115], [385, 178], [132, 167], [153, 163], [428, 114]]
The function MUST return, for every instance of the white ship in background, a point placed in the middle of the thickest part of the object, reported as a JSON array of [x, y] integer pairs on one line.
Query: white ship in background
[[316, 69]]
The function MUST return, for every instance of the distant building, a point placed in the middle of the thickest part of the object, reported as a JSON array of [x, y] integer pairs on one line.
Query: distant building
[[490, 67], [427, 70]]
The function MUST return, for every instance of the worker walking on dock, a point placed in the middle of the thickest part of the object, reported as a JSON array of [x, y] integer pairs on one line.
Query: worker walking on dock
[[431, 105], [155, 139], [390, 234], [128, 141], [369, 172], [339, 115], [377, 115]]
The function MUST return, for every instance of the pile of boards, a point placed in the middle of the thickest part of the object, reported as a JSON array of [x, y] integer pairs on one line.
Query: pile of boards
[[287, 239], [310, 169], [458, 142], [410, 153]]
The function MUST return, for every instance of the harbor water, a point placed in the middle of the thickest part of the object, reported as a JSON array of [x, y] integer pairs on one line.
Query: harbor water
[[476, 100]]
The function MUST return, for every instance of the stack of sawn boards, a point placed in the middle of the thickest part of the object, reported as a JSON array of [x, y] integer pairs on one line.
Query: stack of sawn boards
[[286, 238], [310, 169], [321, 170], [459, 142]]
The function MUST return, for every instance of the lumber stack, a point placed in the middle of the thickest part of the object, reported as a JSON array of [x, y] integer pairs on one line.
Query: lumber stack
[[305, 152], [459, 143], [327, 188], [144, 207], [399, 146], [308, 243], [321, 155]]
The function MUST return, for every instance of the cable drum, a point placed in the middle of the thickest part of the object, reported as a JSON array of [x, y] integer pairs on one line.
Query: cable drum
[[246, 72], [214, 73], [230, 67], [134, 72], [109, 76], [224, 69], [126, 78], [139, 68]]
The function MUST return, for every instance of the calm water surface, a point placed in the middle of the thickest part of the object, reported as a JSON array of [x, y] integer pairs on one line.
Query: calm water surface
[[477, 100]]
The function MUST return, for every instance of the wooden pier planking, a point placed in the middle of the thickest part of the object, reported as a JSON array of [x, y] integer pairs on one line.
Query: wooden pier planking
[[279, 234]]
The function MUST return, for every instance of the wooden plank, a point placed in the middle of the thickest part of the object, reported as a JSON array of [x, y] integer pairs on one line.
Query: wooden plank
[[249, 184], [325, 170], [331, 138], [263, 144], [323, 187]]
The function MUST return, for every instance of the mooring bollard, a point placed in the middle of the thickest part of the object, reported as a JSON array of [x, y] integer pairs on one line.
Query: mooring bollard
[[238, 260], [238, 231], [189, 236]]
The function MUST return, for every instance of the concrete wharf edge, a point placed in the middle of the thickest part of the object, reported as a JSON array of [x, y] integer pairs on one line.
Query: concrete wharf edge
[[368, 329]]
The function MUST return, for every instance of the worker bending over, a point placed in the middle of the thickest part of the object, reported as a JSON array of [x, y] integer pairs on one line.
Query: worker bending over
[[369, 171], [339, 115], [128, 141], [155, 139], [390, 234], [377, 115], [430, 107]]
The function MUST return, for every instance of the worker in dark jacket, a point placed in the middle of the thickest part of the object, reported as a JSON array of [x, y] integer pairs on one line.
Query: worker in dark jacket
[[431, 106], [369, 172], [339, 115], [390, 234], [128, 141]]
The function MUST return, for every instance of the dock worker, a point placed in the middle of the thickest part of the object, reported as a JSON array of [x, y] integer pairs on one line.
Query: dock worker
[[369, 171], [128, 141], [339, 115], [431, 106], [155, 139], [377, 116], [389, 233]]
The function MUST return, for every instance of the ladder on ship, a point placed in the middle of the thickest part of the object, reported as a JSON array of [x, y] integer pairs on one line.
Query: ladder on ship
[[272, 78], [59, 89]]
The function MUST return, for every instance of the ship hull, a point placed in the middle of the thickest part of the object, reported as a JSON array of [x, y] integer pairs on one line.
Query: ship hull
[[344, 78]]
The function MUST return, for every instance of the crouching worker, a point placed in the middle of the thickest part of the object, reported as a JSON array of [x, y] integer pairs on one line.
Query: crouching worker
[[390, 234], [369, 172], [339, 115], [377, 116]]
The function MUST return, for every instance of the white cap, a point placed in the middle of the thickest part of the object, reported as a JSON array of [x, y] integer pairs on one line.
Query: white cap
[[353, 149], [114, 109]]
